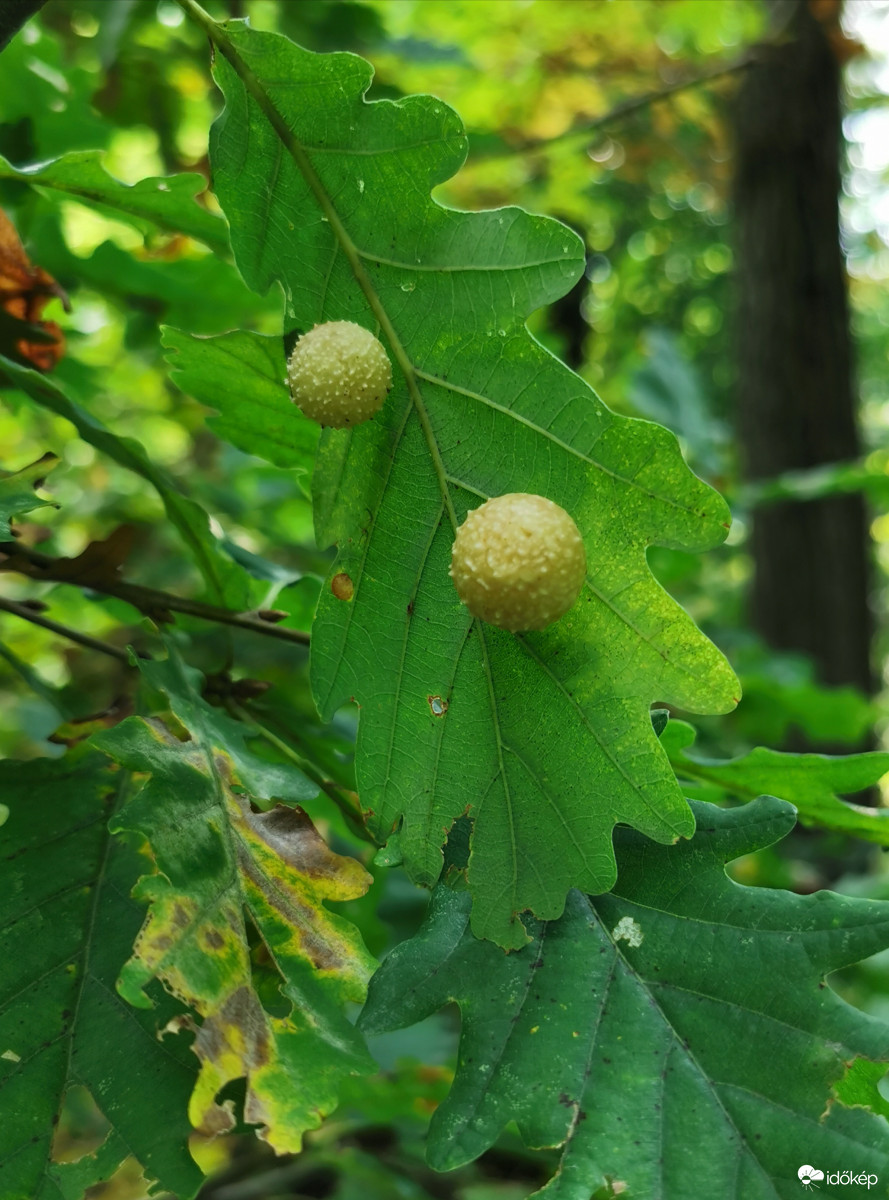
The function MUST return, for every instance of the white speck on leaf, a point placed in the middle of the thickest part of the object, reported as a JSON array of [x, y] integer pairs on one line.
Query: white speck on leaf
[[11, 1055], [628, 930]]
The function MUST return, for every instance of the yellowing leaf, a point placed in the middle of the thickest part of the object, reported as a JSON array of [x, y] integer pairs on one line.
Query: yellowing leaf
[[222, 869]]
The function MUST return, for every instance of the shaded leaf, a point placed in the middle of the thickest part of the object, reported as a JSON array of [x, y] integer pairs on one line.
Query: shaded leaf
[[166, 203], [66, 928], [17, 492], [221, 864], [226, 582], [242, 375], [811, 782], [478, 408], [676, 1035]]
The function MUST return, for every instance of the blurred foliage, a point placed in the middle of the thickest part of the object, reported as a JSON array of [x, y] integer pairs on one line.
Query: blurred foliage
[[649, 327]]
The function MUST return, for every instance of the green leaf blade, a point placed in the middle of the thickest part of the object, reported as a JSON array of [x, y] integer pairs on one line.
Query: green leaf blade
[[478, 408], [66, 928], [17, 492], [219, 864], [166, 203], [675, 1034], [242, 375]]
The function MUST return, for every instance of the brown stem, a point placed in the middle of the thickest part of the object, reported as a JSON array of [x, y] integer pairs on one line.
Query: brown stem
[[82, 639], [151, 601]]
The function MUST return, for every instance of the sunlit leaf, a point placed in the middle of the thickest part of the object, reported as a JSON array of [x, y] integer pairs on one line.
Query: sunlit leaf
[[242, 375], [166, 203], [544, 738], [814, 783], [17, 492]]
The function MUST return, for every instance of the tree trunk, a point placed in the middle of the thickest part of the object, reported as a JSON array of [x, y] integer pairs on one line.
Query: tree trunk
[[795, 391]]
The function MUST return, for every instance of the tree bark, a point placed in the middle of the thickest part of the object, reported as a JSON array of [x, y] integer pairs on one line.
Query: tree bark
[[796, 399]]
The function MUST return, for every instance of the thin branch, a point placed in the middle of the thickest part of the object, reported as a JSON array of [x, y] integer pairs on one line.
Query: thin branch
[[82, 639], [151, 601], [620, 111]]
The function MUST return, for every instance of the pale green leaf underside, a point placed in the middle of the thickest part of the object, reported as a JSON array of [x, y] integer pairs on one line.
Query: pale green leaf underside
[[813, 783], [676, 1034], [545, 738], [242, 376], [166, 204], [18, 492]]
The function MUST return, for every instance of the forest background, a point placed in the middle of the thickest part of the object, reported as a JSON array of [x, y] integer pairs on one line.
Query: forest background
[[633, 122]]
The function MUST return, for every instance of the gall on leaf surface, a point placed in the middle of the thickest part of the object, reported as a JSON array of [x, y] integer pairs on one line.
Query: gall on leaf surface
[[676, 1034], [221, 864], [67, 925], [546, 740]]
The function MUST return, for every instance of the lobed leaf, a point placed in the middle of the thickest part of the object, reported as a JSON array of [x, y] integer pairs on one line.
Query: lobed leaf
[[242, 376], [544, 738], [166, 203], [17, 492], [813, 783], [676, 1035], [226, 581], [223, 868], [66, 926]]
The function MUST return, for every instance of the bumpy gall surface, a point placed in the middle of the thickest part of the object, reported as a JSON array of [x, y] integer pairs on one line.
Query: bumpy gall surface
[[518, 562], [339, 374]]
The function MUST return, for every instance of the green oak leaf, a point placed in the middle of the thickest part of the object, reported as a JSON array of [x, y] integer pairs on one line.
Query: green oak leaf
[[166, 203], [226, 582], [242, 376], [17, 492], [676, 1035], [67, 926], [219, 864], [811, 782], [544, 738]]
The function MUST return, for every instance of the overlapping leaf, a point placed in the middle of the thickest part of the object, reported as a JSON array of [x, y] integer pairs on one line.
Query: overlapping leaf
[[813, 783], [226, 582], [18, 492], [66, 927], [221, 864], [545, 738], [242, 375], [676, 1035], [166, 204]]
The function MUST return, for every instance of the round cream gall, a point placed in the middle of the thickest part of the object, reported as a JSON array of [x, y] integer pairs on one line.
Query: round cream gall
[[339, 374], [518, 562]]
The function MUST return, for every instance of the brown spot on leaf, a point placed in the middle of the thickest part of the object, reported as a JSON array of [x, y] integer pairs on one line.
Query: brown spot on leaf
[[438, 705], [342, 587], [214, 939]]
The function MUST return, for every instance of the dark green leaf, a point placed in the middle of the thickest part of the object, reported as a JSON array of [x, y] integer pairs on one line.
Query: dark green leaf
[[66, 927], [676, 1035], [225, 581]]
